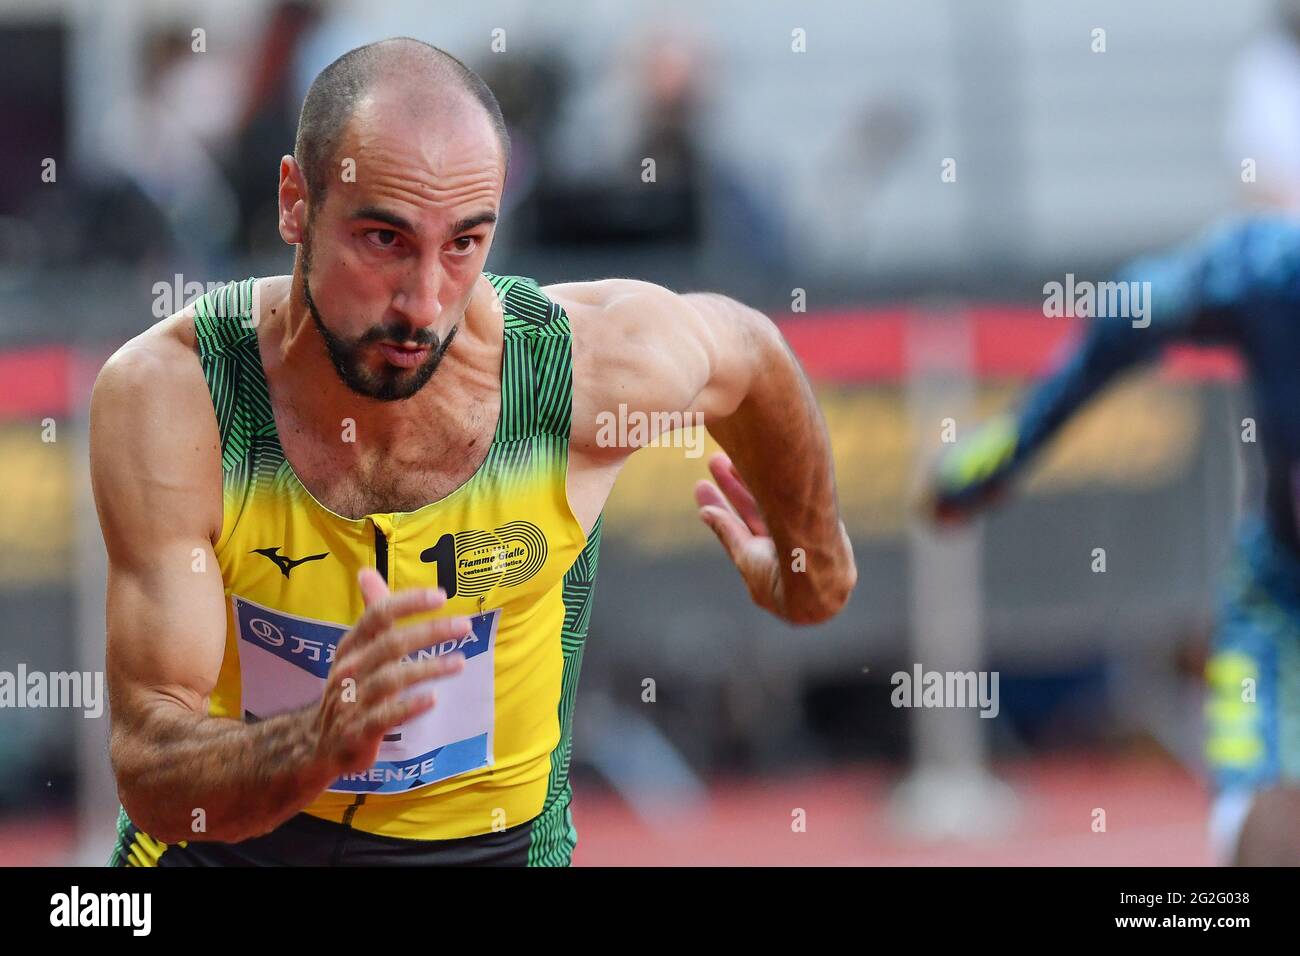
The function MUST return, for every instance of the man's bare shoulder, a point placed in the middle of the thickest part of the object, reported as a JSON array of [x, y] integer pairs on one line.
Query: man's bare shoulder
[[164, 354], [597, 300], [151, 413], [169, 348], [624, 324], [636, 345]]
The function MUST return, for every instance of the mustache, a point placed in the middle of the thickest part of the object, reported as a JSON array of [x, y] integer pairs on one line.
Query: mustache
[[396, 334], [422, 338], [399, 335]]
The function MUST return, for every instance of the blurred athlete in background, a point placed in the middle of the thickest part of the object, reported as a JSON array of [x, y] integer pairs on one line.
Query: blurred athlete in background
[[1238, 286]]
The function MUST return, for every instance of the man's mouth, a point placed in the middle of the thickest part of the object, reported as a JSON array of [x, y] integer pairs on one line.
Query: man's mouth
[[404, 356]]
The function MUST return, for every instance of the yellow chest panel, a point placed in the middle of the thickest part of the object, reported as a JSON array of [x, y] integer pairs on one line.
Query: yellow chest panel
[[509, 552]]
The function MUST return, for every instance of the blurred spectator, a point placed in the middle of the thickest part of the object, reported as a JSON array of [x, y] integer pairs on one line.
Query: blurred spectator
[[1264, 112], [164, 140], [530, 89], [267, 123], [621, 204]]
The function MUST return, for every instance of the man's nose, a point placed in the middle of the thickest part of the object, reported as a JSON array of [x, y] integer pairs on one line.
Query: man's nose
[[417, 297]]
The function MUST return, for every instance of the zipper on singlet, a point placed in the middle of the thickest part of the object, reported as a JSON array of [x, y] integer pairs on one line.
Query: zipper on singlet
[[381, 552], [381, 565]]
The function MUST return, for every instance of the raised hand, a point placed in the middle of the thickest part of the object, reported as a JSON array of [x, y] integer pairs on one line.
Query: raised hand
[[363, 695], [729, 508]]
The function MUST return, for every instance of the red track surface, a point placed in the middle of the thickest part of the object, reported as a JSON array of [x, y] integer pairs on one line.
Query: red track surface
[[1155, 816]]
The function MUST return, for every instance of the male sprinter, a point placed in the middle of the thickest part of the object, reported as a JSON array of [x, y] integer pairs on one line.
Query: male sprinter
[[1240, 286], [320, 492]]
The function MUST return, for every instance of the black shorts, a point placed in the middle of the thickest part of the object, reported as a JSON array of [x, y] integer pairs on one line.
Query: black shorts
[[305, 840]]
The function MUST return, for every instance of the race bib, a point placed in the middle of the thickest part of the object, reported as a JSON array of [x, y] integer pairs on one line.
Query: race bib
[[284, 661]]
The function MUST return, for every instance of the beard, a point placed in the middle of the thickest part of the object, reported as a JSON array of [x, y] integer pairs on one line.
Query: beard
[[348, 357]]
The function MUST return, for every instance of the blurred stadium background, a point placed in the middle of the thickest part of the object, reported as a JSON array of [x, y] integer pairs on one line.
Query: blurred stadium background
[[807, 183]]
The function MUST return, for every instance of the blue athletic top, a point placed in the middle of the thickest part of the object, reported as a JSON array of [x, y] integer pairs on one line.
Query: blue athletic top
[[1236, 285]]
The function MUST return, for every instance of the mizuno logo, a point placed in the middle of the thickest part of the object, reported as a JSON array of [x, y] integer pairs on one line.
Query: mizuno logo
[[285, 563]]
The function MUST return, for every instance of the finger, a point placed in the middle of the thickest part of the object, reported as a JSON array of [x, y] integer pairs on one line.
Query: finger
[[731, 531], [373, 586], [397, 710], [741, 498], [707, 493], [396, 676], [380, 616], [397, 642]]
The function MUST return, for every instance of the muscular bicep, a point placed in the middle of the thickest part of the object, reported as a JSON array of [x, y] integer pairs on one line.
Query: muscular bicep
[[641, 349], [156, 477]]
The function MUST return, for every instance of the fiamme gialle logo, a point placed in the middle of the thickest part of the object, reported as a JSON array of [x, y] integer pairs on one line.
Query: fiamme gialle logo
[[483, 560]]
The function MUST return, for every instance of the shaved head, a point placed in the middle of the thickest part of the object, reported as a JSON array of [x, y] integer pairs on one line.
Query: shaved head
[[431, 81], [392, 199]]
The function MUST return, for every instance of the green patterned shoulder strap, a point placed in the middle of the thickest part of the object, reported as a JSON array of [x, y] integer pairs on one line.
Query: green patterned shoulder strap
[[537, 368], [536, 373], [223, 317], [232, 366]]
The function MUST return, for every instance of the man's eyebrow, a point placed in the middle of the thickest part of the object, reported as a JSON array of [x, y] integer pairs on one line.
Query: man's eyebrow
[[383, 215], [469, 222], [399, 222]]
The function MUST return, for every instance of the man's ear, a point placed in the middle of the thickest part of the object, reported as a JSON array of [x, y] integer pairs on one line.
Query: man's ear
[[293, 201]]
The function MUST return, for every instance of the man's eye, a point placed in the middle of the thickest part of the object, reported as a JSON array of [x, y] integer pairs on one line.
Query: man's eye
[[383, 237], [465, 243]]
